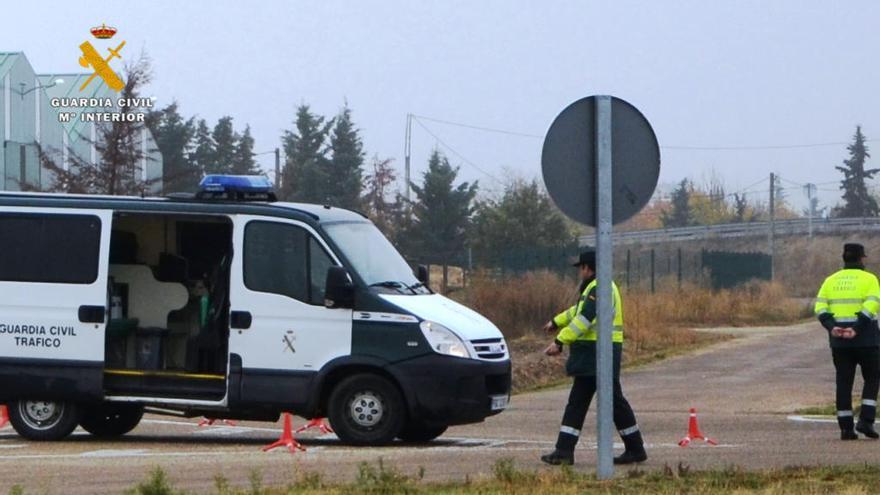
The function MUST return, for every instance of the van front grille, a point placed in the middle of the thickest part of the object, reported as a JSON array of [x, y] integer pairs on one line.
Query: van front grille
[[490, 349]]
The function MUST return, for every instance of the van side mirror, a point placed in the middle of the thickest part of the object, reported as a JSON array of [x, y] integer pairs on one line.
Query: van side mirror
[[422, 274], [338, 289]]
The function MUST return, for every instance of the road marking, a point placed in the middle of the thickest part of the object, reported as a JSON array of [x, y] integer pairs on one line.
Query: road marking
[[812, 419], [114, 453], [16, 446], [130, 453]]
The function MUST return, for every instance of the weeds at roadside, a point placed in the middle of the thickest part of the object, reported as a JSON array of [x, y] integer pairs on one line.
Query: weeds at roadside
[[156, 484], [382, 479], [508, 479]]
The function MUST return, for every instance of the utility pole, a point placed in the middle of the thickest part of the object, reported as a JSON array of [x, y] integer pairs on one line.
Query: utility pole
[[772, 222], [810, 189], [277, 170], [407, 152]]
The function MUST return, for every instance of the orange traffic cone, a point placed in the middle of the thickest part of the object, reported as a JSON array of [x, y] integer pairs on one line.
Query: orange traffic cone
[[286, 439], [316, 423], [694, 432], [4, 416], [211, 421]]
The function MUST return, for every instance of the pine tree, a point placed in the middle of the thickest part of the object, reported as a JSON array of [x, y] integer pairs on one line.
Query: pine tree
[[740, 206], [225, 144], [681, 214], [173, 136], [244, 162], [346, 163], [305, 169], [202, 155], [857, 201], [441, 214], [522, 220]]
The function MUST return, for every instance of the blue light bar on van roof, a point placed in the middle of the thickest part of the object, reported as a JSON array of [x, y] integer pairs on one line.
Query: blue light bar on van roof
[[248, 184]]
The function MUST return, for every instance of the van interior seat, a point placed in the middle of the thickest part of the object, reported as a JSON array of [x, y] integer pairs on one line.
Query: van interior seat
[[149, 300]]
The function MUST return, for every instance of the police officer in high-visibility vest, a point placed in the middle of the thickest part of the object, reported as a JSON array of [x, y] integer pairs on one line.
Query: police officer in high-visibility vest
[[847, 306], [576, 328]]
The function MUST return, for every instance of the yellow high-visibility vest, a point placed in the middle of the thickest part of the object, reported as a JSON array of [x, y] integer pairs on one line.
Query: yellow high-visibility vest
[[847, 293], [574, 325]]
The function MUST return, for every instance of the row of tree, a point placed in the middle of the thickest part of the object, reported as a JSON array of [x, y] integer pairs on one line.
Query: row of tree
[[690, 204], [325, 164]]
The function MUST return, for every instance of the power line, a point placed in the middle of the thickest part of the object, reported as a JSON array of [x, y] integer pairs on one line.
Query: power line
[[480, 128], [456, 153], [761, 147], [668, 147]]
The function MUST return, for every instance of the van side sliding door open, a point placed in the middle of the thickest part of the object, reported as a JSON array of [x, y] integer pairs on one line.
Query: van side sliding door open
[[53, 302]]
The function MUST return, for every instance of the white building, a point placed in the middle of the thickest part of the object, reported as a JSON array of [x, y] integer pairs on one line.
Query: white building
[[31, 126]]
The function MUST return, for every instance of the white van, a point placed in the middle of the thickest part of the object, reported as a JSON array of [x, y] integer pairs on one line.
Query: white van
[[227, 304]]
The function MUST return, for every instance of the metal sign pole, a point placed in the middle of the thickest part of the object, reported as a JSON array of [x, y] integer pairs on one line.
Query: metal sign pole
[[604, 259]]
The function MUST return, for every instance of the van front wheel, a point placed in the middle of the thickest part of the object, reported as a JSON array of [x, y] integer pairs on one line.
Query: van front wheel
[[43, 420], [111, 419], [366, 409]]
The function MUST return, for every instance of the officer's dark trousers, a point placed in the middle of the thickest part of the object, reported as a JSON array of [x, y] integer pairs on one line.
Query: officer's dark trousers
[[845, 362], [582, 391]]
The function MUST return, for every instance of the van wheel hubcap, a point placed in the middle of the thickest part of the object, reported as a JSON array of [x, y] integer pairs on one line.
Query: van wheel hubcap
[[366, 409], [41, 415]]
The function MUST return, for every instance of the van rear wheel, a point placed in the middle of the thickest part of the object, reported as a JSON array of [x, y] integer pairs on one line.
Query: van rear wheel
[[43, 420], [417, 432], [111, 419], [366, 409]]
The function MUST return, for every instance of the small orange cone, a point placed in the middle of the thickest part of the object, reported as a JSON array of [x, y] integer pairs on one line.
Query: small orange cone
[[286, 439], [315, 423], [694, 432], [4, 416]]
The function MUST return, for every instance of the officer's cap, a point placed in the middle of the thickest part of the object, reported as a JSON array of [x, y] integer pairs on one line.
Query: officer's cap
[[853, 250], [586, 258]]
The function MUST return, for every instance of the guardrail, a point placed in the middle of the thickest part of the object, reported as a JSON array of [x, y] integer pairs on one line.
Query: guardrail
[[799, 226]]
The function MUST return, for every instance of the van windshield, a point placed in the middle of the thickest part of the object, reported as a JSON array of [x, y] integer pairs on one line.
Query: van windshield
[[373, 256]]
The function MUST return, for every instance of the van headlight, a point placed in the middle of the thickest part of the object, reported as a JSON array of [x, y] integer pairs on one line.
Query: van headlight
[[443, 340]]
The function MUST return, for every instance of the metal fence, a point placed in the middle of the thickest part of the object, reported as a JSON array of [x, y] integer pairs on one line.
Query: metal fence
[[799, 226]]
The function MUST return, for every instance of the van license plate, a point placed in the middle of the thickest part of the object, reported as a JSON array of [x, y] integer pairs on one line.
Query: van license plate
[[499, 402]]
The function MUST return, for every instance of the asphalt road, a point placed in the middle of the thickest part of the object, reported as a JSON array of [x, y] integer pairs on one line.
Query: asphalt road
[[745, 391]]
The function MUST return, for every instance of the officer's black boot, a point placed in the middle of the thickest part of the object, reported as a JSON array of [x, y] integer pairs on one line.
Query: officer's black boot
[[565, 444], [865, 426], [634, 449], [845, 421], [867, 429], [558, 457]]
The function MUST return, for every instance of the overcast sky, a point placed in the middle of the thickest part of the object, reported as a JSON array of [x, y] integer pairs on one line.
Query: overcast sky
[[706, 74]]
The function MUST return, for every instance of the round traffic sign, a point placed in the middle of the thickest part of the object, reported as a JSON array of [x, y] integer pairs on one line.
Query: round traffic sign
[[568, 160]]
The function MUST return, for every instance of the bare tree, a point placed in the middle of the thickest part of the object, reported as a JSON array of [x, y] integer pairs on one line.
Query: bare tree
[[119, 168], [383, 212]]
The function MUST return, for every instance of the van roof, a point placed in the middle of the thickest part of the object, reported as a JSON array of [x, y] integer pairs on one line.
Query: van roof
[[302, 211]]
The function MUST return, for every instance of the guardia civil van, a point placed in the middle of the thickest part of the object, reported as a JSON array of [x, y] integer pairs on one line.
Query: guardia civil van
[[229, 304]]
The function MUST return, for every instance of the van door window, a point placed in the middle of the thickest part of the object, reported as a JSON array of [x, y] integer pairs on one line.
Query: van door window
[[59, 249], [319, 262], [284, 259]]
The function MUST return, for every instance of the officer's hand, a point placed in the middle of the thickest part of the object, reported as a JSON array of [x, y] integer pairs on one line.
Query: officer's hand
[[848, 333], [553, 350], [549, 327], [837, 332]]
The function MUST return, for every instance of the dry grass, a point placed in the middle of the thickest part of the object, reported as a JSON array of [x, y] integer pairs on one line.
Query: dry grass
[[507, 478], [802, 264], [657, 325]]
